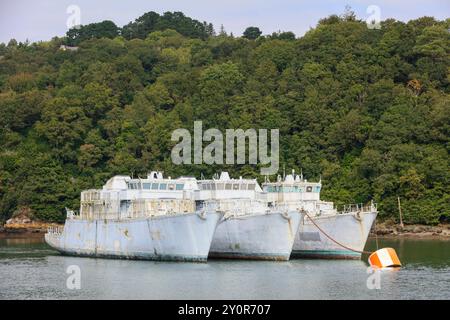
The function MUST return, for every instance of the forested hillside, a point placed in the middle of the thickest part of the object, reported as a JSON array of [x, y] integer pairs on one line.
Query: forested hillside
[[367, 110]]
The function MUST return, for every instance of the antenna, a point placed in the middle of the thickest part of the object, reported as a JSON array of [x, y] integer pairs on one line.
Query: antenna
[[301, 174], [284, 172]]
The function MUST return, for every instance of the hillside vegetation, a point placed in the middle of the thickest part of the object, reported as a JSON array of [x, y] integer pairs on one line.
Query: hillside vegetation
[[367, 110]]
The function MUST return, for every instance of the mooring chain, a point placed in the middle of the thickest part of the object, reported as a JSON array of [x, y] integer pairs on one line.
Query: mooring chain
[[329, 237]]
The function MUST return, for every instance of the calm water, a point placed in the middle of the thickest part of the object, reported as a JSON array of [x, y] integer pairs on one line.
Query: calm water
[[29, 269]]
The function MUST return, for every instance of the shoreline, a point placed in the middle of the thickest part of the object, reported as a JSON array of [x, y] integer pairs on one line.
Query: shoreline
[[410, 236], [32, 230], [383, 230], [388, 230]]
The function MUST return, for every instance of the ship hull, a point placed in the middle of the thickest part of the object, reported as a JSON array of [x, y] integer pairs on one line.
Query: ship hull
[[259, 237], [347, 229], [183, 237]]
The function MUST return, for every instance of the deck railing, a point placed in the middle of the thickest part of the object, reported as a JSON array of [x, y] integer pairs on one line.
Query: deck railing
[[55, 230], [359, 207]]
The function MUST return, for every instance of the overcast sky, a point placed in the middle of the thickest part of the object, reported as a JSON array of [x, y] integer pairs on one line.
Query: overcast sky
[[42, 19]]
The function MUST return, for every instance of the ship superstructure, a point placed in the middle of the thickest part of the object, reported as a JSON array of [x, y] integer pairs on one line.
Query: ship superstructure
[[350, 227], [250, 229], [154, 218]]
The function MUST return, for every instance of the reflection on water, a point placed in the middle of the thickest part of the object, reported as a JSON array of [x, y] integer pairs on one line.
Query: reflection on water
[[19, 241], [29, 269], [432, 253]]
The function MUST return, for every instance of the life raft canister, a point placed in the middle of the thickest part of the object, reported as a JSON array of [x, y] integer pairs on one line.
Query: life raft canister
[[384, 258]]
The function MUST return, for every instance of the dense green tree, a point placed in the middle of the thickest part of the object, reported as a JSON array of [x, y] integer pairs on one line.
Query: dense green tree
[[252, 33], [368, 110], [104, 29], [142, 26], [285, 35], [63, 125], [152, 21]]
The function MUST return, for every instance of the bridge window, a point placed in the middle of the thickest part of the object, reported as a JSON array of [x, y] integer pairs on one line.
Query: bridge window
[[220, 186], [227, 186], [133, 186], [146, 186], [235, 186], [154, 186], [251, 186], [180, 186], [162, 186]]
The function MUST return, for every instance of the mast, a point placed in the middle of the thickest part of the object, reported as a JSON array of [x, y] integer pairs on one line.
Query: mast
[[400, 213]]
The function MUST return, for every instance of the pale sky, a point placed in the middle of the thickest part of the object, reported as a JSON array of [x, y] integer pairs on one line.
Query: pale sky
[[42, 19]]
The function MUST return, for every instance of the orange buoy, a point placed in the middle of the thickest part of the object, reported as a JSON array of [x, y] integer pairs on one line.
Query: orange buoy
[[384, 258]]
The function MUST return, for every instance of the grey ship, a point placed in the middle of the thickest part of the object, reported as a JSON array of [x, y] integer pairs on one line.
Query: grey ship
[[152, 218]]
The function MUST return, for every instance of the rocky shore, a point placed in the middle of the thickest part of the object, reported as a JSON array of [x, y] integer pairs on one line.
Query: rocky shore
[[33, 227], [391, 230], [383, 229], [23, 223]]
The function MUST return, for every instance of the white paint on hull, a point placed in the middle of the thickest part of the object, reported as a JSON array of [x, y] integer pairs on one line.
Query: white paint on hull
[[256, 236], [344, 228], [184, 237]]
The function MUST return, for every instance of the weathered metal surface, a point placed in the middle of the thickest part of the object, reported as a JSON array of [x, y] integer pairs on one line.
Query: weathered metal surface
[[259, 236], [348, 229], [182, 237]]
